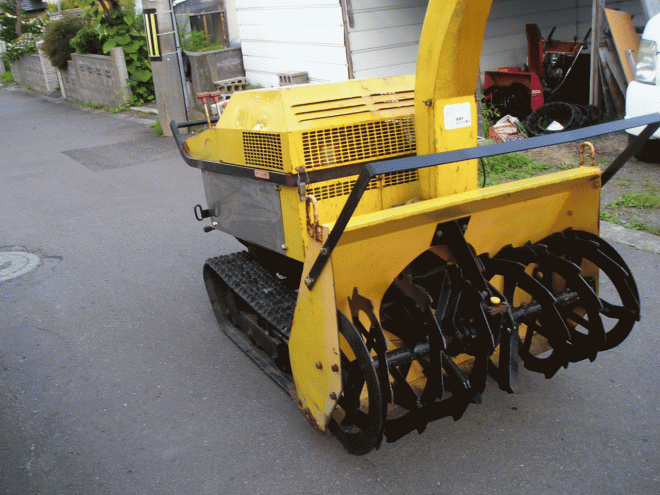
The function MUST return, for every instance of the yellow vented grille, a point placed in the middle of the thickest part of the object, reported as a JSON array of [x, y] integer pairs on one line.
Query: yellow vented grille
[[400, 178], [344, 187], [263, 150], [356, 143]]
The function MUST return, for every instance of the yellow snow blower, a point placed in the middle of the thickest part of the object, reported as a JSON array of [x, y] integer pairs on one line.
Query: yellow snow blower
[[381, 285]]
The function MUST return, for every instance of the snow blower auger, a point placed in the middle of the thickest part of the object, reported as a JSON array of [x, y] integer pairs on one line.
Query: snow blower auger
[[381, 286]]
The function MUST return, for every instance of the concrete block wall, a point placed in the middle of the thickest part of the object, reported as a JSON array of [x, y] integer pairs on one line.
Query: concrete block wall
[[207, 67], [98, 79], [35, 71]]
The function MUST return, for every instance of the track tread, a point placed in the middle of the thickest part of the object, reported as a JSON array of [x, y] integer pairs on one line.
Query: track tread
[[265, 294]]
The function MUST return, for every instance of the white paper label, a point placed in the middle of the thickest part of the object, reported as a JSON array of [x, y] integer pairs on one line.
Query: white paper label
[[458, 116]]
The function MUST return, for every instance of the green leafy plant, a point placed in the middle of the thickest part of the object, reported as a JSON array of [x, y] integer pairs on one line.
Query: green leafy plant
[[25, 45], [157, 128], [489, 115], [7, 77], [197, 41], [194, 40], [32, 29], [606, 216], [120, 25], [88, 40], [66, 5], [57, 41], [31, 24]]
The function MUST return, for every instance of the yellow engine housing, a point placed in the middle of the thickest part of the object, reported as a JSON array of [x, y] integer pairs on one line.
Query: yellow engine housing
[[301, 129]]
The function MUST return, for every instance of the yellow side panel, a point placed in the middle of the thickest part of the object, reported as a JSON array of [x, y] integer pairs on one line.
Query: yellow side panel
[[314, 344]]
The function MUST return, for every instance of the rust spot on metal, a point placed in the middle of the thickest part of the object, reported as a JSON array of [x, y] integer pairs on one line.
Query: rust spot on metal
[[294, 395], [310, 418], [497, 309]]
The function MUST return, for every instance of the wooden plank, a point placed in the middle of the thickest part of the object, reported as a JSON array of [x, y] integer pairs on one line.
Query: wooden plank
[[617, 71], [625, 38], [607, 97], [618, 99]]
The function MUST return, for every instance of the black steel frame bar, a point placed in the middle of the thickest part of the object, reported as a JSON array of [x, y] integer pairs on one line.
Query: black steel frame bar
[[371, 170]]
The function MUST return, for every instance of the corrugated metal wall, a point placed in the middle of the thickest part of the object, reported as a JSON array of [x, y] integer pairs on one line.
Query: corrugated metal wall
[[292, 36], [383, 35]]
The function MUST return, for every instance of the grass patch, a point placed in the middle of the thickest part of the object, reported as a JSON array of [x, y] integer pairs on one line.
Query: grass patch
[[624, 183], [651, 187], [634, 223], [645, 201], [505, 168], [606, 216], [7, 77]]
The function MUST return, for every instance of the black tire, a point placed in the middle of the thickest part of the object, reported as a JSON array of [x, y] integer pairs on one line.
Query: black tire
[[650, 152], [595, 115], [581, 116], [563, 113]]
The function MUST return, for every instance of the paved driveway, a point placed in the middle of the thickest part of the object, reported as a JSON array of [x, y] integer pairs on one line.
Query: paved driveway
[[114, 378]]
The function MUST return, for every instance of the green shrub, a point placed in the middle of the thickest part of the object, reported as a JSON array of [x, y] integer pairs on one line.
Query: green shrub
[[25, 45], [157, 129], [120, 25], [7, 77], [57, 41], [66, 5], [87, 40], [32, 29], [197, 41], [31, 24]]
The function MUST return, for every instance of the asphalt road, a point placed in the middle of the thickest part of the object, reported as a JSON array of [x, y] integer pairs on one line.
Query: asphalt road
[[114, 377]]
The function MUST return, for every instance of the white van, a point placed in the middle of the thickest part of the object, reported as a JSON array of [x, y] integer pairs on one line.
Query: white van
[[643, 94]]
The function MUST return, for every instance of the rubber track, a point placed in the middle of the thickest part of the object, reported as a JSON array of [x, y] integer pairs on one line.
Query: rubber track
[[263, 292]]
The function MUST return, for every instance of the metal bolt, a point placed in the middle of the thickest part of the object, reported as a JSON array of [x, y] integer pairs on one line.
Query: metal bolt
[[428, 103], [214, 224], [324, 251], [284, 247], [335, 368], [308, 281], [319, 365], [333, 396], [438, 233]]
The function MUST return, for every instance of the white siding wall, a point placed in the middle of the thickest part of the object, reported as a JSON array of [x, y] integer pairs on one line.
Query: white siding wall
[[384, 37], [292, 36], [308, 35]]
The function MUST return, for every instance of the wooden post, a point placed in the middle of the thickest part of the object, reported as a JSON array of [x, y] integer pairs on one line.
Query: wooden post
[[598, 7]]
